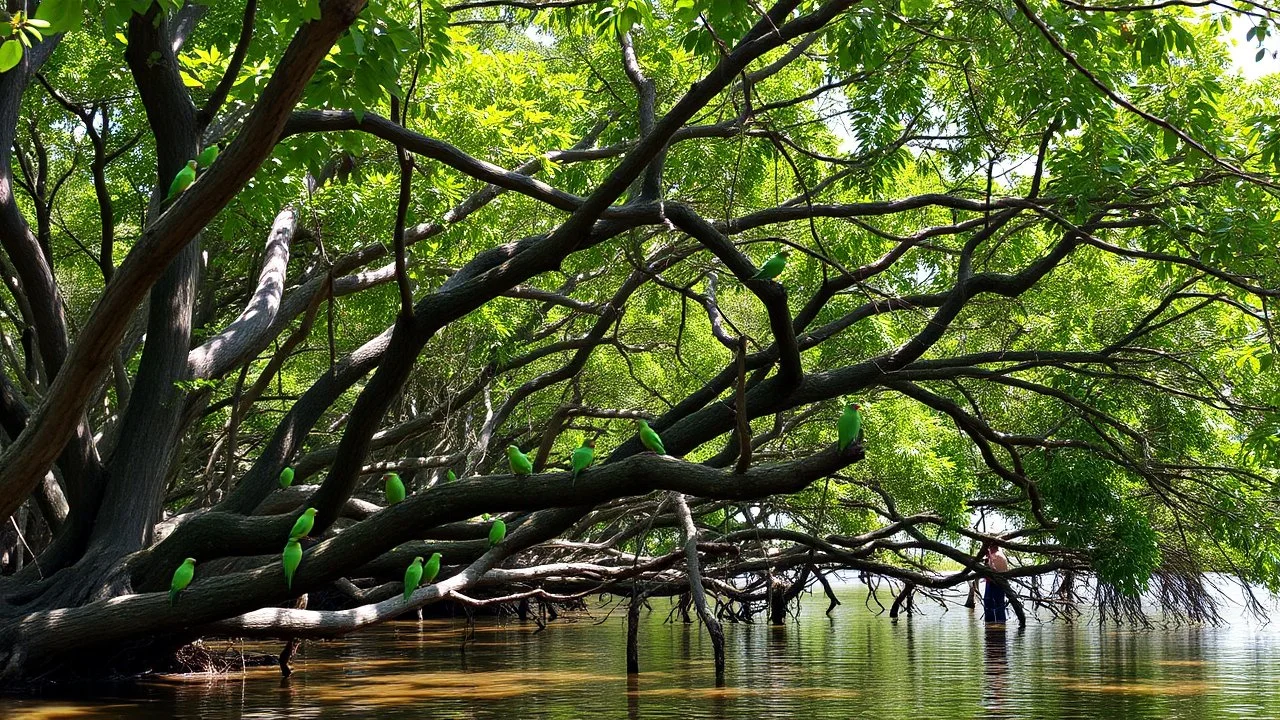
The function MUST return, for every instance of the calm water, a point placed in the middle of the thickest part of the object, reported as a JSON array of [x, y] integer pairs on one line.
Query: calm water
[[853, 664]]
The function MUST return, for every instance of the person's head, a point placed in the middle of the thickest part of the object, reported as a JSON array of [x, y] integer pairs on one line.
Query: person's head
[[988, 549]]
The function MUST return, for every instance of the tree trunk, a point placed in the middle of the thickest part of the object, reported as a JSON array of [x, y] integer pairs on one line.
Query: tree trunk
[[903, 601], [138, 470], [633, 631], [292, 644], [695, 583]]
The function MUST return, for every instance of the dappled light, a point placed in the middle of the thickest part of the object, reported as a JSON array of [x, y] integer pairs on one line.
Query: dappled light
[[639, 358]]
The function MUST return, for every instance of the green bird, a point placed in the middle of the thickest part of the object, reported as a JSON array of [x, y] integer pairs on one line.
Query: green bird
[[649, 438], [395, 488], [849, 426], [412, 576], [305, 522], [497, 532], [773, 267], [582, 457], [292, 558], [449, 476], [520, 463], [182, 180], [207, 156], [181, 579], [431, 570], [286, 477]]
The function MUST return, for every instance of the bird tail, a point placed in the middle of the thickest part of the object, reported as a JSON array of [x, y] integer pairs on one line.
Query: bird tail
[[844, 444], [173, 597]]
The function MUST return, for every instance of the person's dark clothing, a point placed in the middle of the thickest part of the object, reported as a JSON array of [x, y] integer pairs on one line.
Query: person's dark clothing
[[993, 603]]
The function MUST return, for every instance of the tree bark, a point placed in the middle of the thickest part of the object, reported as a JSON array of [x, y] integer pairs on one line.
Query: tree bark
[[699, 594], [633, 631], [24, 463], [903, 600]]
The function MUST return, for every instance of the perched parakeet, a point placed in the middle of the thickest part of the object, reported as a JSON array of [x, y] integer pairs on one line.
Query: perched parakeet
[[520, 463], [181, 578], [582, 457], [305, 522], [286, 477], [412, 576], [649, 438], [395, 488], [431, 570], [849, 426], [207, 156], [497, 532], [450, 476], [182, 180], [772, 267], [292, 558]]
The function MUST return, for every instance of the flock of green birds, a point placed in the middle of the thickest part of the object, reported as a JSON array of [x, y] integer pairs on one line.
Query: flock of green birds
[[417, 573], [848, 429]]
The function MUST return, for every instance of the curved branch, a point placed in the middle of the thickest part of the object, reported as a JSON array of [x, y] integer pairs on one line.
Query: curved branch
[[241, 338]]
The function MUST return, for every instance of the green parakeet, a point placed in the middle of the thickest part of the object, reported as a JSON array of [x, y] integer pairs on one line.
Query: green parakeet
[[182, 180], [520, 463], [181, 578], [292, 558], [649, 438], [497, 532], [582, 457], [395, 488], [849, 426], [773, 267], [207, 156], [450, 476], [431, 570], [286, 477], [412, 576], [305, 522]]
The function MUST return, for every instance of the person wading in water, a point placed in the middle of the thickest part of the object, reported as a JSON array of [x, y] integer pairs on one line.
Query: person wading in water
[[993, 599]]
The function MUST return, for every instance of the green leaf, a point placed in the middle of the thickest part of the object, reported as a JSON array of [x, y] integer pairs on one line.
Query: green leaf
[[10, 54]]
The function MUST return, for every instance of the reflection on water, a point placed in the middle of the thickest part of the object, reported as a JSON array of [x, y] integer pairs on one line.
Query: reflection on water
[[851, 665]]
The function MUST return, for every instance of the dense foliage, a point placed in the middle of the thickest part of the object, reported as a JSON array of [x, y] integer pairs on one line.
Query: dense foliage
[[1034, 239]]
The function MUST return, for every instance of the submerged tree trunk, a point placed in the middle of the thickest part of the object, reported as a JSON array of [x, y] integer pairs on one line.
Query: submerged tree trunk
[[904, 600], [633, 631], [292, 644], [699, 595]]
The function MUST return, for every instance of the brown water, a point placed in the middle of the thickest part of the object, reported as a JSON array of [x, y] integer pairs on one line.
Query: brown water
[[854, 664]]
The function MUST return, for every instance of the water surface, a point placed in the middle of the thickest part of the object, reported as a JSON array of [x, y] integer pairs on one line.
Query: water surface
[[853, 664]]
